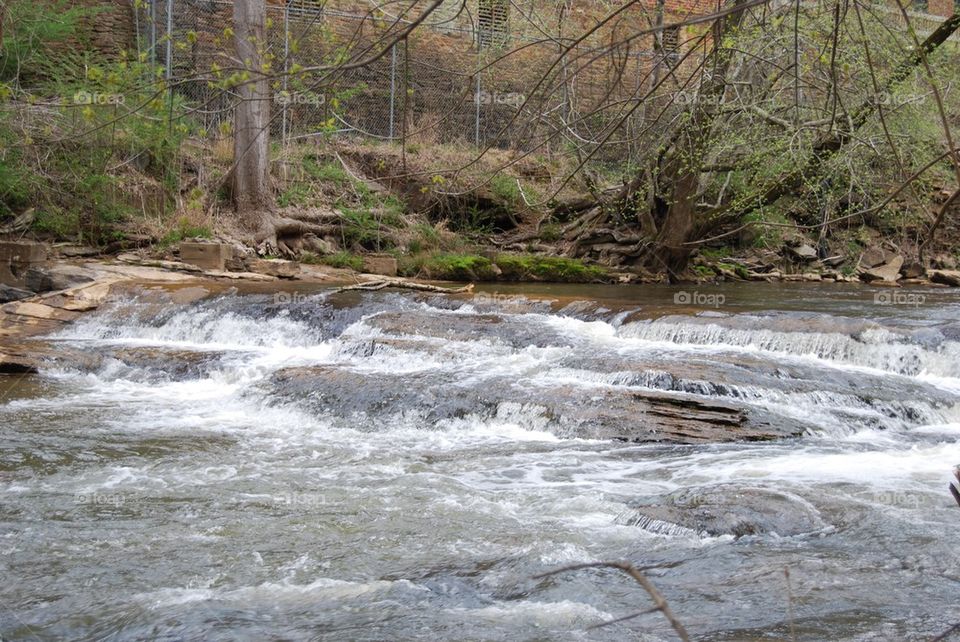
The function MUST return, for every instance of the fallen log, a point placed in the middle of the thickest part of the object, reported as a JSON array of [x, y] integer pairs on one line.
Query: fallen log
[[381, 284]]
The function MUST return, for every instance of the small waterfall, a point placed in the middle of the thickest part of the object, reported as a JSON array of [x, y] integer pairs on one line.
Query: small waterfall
[[877, 348]]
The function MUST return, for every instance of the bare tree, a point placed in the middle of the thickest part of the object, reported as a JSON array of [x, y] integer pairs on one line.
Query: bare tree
[[251, 189]]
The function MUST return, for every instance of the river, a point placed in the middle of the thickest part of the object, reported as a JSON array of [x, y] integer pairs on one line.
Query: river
[[297, 464]]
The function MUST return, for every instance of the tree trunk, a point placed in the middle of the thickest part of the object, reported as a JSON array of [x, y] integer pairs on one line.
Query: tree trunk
[[252, 195], [680, 174]]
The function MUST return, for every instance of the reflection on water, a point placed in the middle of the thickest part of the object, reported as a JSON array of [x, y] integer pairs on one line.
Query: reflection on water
[[395, 466]]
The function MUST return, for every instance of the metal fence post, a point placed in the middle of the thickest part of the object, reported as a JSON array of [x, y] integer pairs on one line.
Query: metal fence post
[[153, 32], [476, 102], [169, 70], [286, 63], [393, 88], [169, 55]]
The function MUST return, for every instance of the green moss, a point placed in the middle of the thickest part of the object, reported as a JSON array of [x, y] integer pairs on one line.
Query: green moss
[[714, 253], [526, 267], [704, 271], [449, 267]]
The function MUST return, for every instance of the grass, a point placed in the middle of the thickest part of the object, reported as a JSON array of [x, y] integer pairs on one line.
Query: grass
[[295, 194], [330, 171], [343, 260], [185, 230], [505, 188]]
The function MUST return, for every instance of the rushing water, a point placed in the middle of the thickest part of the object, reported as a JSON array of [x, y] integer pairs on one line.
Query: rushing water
[[387, 466]]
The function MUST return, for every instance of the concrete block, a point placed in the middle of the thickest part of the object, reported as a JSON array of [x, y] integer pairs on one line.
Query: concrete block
[[209, 256], [16, 257], [384, 265]]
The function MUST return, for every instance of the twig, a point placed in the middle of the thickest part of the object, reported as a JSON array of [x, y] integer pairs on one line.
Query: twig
[[660, 604], [381, 284]]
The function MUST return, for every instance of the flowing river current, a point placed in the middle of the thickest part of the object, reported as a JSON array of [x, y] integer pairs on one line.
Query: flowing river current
[[267, 465]]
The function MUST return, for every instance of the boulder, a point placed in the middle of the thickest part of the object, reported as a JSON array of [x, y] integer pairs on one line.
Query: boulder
[[321, 246], [912, 270], [278, 268], [40, 311], [945, 277], [236, 264], [16, 364], [944, 262], [803, 252], [726, 509], [872, 257], [9, 293], [888, 272], [56, 277]]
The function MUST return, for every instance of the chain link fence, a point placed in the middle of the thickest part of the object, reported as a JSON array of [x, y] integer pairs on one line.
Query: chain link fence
[[439, 85]]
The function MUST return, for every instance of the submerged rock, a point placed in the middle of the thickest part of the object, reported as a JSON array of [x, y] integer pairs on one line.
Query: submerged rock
[[630, 415], [728, 510]]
